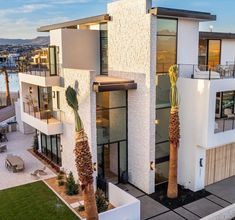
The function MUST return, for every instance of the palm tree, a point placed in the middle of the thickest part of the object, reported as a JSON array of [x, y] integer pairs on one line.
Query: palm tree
[[8, 96], [83, 158], [174, 134]]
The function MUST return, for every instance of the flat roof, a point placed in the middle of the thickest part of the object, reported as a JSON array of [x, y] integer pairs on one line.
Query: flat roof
[[71, 24], [181, 13], [216, 35], [109, 83]]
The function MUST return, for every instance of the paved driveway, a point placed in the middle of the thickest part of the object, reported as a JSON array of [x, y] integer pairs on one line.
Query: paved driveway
[[18, 144]]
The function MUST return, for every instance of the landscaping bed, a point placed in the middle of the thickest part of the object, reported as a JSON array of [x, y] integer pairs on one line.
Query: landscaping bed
[[75, 201], [33, 201], [185, 196]]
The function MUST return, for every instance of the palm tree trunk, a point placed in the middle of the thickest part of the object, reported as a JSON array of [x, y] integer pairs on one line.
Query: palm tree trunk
[[83, 161], [172, 191], [8, 97], [89, 204], [174, 136]]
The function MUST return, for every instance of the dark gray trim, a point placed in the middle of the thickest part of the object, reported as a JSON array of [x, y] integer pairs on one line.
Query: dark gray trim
[[216, 35], [73, 24], [114, 87], [180, 13]]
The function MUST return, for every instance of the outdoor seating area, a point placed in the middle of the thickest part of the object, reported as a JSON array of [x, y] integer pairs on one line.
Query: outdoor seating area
[[14, 163], [18, 165]]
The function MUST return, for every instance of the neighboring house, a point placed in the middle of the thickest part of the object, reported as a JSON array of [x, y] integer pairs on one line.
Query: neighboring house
[[40, 57], [118, 62]]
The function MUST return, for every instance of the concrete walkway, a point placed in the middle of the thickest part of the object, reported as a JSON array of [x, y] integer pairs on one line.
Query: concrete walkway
[[19, 144], [222, 195]]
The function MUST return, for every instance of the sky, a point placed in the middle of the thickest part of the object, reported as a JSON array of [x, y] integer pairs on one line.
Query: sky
[[21, 18]]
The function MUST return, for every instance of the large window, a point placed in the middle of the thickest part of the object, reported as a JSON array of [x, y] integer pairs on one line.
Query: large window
[[50, 146], [111, 123], [111, 116], [166, 44], [209, 53], [104, 49], [166, 56]]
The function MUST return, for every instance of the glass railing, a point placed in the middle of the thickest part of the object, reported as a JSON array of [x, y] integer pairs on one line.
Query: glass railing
[[41, 70], [224, 124], [206, 71], [49, 116]]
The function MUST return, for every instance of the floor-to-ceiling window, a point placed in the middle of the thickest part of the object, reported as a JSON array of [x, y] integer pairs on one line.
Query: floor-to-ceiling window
[[50, 146], [209, 53], [111, 122], [104, 49], [166, 56]]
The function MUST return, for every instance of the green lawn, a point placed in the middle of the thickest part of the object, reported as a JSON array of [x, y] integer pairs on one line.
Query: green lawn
[[33, 202]]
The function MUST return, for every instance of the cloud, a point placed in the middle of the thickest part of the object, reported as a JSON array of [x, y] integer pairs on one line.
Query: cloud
[[23, 9]]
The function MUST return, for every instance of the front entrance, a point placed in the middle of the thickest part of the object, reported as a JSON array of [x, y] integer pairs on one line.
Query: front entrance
[[112, 161]]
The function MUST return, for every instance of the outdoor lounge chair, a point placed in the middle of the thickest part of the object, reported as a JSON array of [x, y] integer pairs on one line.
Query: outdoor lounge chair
[[228, 113], [198, 74], [35, 174], [42, 171]]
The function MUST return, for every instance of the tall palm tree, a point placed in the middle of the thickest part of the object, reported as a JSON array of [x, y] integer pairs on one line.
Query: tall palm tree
[[83, 158], [6, 78], [174, 134]]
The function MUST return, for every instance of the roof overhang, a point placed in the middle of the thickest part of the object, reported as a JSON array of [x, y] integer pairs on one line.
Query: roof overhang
[[107, 83], [180, 13], [216, 35], [73, 24]]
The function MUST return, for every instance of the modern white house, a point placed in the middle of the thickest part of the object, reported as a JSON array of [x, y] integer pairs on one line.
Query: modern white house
[[118, 63]]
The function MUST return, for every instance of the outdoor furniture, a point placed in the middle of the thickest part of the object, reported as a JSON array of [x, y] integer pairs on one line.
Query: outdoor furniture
[[14, 163], [228, 113], [3, 148], [3, 137], [42, 171], [198, 74]]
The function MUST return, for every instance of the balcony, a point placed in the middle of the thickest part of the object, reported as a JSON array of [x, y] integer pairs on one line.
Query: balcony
[[41, 75], [46, 121], [207, 72]]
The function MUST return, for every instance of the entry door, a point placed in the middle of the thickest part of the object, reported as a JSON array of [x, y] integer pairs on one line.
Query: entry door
[[112, 163]]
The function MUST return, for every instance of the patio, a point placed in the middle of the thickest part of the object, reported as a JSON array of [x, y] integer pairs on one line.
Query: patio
[[18, 144], [222, 195]]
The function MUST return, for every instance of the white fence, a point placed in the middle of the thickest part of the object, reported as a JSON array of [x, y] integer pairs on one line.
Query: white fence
[[126, 206], [224, 214]]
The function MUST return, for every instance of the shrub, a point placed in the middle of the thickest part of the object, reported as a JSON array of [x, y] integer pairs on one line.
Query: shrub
[[81, 208], [61, 182], [35, 142], [60, 176], [71, 186], [101, 202]]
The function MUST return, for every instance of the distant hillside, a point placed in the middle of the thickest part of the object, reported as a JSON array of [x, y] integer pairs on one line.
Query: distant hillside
[[36, 41]]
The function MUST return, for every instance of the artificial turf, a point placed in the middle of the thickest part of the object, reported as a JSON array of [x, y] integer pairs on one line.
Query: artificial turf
[[33, 201]]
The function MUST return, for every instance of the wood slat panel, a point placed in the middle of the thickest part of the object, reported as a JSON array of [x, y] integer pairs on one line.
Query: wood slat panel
[[220, 163], [232, 160]]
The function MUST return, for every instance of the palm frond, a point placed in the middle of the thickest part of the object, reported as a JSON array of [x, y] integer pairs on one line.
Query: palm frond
[[71, 98]]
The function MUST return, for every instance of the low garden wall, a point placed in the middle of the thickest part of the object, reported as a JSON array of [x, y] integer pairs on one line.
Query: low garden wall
[[226, 213], [126, 206]]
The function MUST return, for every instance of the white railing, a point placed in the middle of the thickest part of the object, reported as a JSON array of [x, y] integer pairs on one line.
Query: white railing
[[126, 206]]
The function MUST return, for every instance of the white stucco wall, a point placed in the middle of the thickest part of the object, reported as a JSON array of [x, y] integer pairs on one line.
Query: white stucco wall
[[78, 49], [188, 41], [132, 54], [227, 51], [82, 80], [197, 118]]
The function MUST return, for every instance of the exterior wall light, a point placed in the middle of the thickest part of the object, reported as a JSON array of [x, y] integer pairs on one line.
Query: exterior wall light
[[30, 90], [94, 166], [152, 165], [157, 122]]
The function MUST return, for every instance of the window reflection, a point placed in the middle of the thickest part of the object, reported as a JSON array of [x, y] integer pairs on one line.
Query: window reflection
[[111, 116]]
